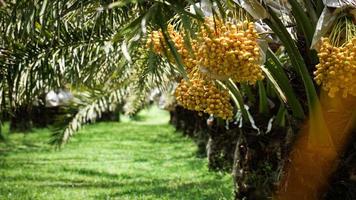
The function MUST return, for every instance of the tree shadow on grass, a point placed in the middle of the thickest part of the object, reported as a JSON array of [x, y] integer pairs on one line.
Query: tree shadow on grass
[[139, 118], [148, 187], [142, 185], [173, 190], [90, 172], [126, 185], [116, 185], [23, 147]]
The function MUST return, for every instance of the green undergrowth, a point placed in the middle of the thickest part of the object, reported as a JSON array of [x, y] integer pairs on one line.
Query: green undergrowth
[[135, 159]]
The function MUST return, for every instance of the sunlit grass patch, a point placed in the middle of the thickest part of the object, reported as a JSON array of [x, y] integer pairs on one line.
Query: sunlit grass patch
[[142, 159]]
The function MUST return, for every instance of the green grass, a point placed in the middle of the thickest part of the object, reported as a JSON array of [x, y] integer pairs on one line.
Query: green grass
[[142, 159]]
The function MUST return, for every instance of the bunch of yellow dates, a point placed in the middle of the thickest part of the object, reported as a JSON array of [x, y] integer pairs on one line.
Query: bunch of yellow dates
[[336, 71], [222, 50], [203, 96]]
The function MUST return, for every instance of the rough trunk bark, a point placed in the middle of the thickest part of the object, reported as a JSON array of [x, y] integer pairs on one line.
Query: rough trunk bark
[[221, 147], [191, 125], [212, 138], [343, 182], [21, 120], [258, 162], [43, 116], [2, 137], [110, 116]]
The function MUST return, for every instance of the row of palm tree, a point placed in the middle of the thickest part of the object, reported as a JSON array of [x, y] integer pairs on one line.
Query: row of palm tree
[[98, 50]]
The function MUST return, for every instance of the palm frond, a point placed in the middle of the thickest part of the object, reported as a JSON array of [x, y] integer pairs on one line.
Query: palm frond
[[87, 114]]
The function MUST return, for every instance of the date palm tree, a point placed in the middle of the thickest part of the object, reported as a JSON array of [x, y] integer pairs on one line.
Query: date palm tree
[[98, 48]]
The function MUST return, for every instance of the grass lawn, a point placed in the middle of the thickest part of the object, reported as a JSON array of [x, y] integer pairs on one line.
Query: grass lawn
[[143, 159]]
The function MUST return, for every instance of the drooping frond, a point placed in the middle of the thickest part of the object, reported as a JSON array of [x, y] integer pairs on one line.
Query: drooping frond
[[129, 84], [88, 112], [45, 44]]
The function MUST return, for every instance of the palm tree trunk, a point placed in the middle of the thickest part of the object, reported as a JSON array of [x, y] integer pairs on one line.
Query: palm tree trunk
[[21, 120]]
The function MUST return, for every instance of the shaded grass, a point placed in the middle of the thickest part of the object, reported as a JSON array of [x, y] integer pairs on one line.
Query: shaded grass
[[142, 159]]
